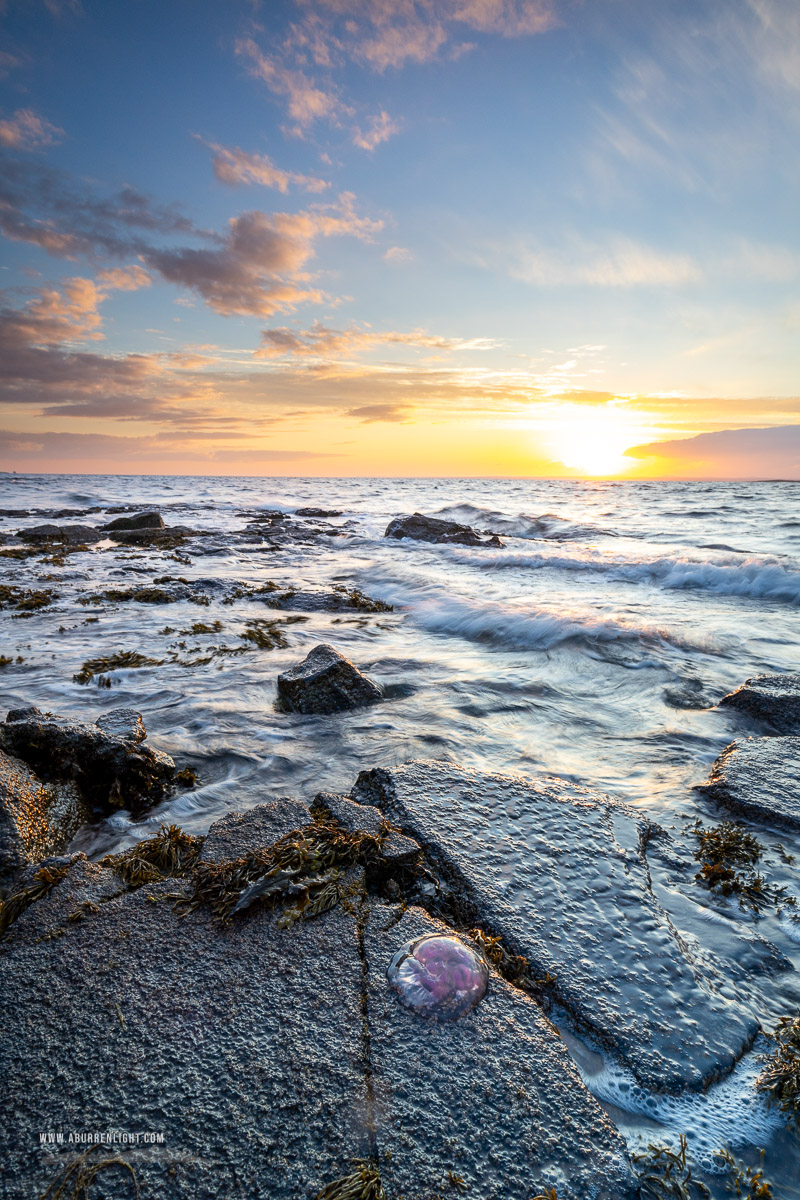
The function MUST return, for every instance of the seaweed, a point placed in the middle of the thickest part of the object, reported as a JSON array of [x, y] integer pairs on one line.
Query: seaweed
[[186, 777], [666, 1174], [5, 661], [113, 662], [43, 880], [170, 853], [780, 1079], [360, 601], [269, 635], [74, 1181], [550, 1194], [201, 627], [25, 601], [728, 854], [363, 1183], [742, 1176], [306, 865]]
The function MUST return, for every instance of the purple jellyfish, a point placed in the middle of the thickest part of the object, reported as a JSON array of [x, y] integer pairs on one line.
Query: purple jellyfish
[[438, 976]]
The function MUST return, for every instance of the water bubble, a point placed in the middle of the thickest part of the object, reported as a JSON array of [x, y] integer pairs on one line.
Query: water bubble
[[438, 976]]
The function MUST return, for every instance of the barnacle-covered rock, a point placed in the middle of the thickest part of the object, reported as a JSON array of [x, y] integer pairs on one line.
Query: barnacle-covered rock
[[36, 819], [111, 771], [325, 682]]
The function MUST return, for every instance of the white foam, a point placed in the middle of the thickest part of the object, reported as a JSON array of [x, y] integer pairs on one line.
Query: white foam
[[731, 1113]]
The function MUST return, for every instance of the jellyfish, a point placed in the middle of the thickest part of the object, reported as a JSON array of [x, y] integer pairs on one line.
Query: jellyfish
[[438, 976]]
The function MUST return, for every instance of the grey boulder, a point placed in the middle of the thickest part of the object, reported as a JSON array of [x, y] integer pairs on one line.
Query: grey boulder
[[432, 529], [759, 778], [561, 874], [71, 534], [112, 771], [145, 520], [774, 699], [325, 682]]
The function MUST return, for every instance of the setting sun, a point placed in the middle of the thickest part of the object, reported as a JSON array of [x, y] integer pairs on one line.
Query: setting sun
[[593, 440]]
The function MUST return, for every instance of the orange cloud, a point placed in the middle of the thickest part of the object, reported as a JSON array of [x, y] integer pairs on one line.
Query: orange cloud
[[26, 130], [233, 165]]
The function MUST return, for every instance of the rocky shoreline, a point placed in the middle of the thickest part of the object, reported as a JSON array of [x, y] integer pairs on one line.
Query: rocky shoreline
[[230, 991]]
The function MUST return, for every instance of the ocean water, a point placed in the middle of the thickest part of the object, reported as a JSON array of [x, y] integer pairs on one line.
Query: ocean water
[[593, 646]]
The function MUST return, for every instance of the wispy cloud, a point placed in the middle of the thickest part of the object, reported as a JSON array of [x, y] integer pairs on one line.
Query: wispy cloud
[[621, 263], [324, 342], [380, 129], [26, 130], [235, 166]]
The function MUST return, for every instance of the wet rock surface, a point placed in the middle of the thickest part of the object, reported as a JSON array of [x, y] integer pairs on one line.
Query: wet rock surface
[[325, 682], [111, 771], [74, 534], [355, 818], [774, 699], [492, 1098], [145, 520], [270, 1057], [36, 819], [238, 834], [567, 885], [759, 778], [432, 529]]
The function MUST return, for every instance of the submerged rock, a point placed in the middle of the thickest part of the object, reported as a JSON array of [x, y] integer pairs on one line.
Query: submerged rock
[[112, 771], [325, 682], [771, 698], [432, 529], [145, 520], [36, 819], [759, 778], [318, 512], [561, 874]]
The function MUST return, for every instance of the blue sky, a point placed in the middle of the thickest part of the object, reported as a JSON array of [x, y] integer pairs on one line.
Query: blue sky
[[399, 236]]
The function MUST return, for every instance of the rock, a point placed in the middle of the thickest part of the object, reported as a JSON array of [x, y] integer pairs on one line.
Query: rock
[[364, 818], [145, 520], [771, 698], [240, 833], [325, 682], [432, 529], [339, 600], [271, 1057], [36, 819], [561, 874], [123, 723], [318, 512], [73, 534], [493, 1097], [243, 1046], [759, 778], [112, 772], [688, 693]]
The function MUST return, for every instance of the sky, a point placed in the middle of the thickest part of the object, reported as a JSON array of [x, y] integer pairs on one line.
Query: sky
[[400, 237]]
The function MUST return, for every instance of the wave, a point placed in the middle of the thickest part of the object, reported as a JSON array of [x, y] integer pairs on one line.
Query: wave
[[754, 578], [517, 627], [547, 527]]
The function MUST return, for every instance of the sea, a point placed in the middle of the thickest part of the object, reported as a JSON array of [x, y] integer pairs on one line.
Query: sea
[[592, 646]]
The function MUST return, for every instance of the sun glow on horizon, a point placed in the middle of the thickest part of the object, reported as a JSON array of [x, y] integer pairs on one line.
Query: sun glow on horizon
[[594, 440]]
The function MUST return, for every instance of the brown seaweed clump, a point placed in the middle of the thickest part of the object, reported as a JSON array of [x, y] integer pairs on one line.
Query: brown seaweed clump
[[780, 1079], [113, 662], [14, 905], [170, 853], [666, 1174], [307, 866], [25, 600], [742, 1177], [728, 855], [363, 1183]]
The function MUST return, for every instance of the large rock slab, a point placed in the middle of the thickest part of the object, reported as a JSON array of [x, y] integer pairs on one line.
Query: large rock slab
[[365, 818], [36, 819], [242, 1045], [759, 778], [774, 699], [73, 535], [111, 771], [433, 529], [493, 1098], [561, 874], [325, 682]]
